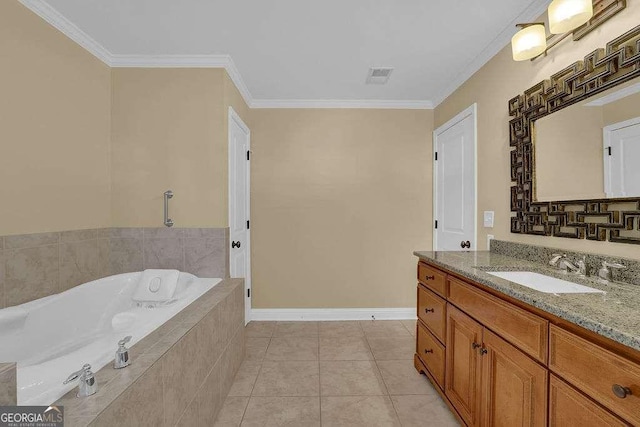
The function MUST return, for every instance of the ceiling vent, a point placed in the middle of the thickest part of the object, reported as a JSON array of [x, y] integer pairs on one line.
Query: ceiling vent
[[379, 75]]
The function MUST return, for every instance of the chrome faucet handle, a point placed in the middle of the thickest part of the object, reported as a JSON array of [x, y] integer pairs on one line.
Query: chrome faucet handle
[[124, 341], [605, 273], [555, 258], [87, 385], [122, 354], [614, 265]]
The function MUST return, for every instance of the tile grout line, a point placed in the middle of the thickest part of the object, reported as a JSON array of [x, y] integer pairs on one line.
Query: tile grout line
[[256, 380]]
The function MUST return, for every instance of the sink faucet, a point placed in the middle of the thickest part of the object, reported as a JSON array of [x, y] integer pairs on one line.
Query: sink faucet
[[562, 263]]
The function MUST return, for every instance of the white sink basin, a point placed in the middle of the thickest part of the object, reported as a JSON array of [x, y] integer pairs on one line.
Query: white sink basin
[[546, 284]]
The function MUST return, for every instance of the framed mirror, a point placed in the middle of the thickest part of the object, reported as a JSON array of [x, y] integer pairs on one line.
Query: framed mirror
[[575, 141]]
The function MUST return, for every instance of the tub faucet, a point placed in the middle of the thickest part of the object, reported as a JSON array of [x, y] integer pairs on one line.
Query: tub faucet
[[87, 385], [122, 354]]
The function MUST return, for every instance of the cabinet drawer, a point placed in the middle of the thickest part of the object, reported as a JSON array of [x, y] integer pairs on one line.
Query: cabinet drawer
[[432, 310], [526, 331], [568, 407], [595, 371], [431, 352], [432, 279]]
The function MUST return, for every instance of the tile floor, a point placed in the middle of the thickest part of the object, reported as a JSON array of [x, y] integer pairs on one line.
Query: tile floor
[[350, 374]]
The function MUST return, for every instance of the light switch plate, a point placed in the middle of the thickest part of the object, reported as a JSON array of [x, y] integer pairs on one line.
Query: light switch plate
[[488, 219]]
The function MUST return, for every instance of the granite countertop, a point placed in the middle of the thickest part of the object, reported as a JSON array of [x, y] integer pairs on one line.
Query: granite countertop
[[615, 315]]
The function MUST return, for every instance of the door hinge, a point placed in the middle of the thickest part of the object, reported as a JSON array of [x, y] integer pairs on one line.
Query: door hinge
[[436, 223], [247, 224], [609, 149], [248, 293], [248, 155], [436, 156]]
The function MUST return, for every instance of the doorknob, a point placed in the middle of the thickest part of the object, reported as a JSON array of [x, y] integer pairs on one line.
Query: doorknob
[[235, 244], [466, 244]]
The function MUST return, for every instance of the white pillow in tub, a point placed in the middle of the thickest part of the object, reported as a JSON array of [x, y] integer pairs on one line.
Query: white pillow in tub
[[156, 286]]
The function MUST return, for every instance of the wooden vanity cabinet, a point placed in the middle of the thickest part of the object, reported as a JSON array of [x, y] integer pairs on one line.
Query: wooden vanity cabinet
[[488, 380], [462, 364], [568, 407], [499, 362]]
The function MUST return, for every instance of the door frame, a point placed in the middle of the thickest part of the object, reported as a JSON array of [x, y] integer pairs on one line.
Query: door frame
[[473, 112], [235, 118], [606, 142]]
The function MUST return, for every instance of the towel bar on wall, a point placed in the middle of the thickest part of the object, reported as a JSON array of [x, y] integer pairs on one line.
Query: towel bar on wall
[[167, 221]]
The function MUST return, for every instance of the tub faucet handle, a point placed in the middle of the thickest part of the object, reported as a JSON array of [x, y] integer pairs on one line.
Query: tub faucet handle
[[122, 354], [87, 385], [124, 341]]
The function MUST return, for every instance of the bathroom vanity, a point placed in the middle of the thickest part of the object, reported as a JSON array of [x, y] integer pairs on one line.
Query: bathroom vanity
[[500, 353]]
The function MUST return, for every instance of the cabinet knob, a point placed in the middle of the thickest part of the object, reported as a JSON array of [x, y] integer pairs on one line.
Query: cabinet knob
[[429, 277], [484, 351], [620, 391], [476, 345], [429, 310], [428, 351]]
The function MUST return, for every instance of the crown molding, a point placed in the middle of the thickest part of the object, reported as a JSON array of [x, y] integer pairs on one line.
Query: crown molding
[[68, 28], [531, 13], [343, 103], [185, 61], [57, 20]]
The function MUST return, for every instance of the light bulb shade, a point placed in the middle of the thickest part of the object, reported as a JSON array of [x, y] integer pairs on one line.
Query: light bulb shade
[[567, 15], [529, 42]]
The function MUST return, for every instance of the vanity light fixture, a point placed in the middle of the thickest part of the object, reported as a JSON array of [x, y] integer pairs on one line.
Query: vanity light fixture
[[567, 15], [529, 42]]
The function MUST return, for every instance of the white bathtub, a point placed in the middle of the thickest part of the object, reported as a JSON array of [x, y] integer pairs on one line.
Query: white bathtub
[[54, 336]]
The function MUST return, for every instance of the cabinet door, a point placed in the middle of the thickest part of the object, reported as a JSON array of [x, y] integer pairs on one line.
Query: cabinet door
[[462, 372], [513, 387], [568, 407]]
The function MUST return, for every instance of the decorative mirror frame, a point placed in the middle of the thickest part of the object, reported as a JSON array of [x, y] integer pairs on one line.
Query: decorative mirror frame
[[597, 219]]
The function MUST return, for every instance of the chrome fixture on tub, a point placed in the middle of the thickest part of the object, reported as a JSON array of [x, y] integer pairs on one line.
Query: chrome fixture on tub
[[605, 274], [87, 385], [122, 354], [167, 195]]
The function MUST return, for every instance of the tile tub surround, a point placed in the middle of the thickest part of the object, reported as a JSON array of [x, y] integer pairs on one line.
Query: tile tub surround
[[8, 384], [180, 374], [542, 254], [613, 315], [34, 266], [351, 374]]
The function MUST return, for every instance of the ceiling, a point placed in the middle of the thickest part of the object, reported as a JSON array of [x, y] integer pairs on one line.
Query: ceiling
[[302, 51]]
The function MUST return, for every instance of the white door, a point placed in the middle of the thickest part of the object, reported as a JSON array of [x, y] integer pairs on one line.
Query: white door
[[455, 183], [239, 186], [621, 157]]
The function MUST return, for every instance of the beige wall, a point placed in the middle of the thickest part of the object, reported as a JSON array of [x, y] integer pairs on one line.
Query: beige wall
[[340, 200], [54, 128], [491, 87], [169, 131]]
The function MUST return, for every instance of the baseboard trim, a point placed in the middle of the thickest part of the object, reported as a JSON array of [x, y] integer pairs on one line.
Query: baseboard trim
[[314, 314]]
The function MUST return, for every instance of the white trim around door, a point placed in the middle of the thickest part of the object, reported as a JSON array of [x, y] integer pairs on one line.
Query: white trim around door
[[471, 111], [239, 228]]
